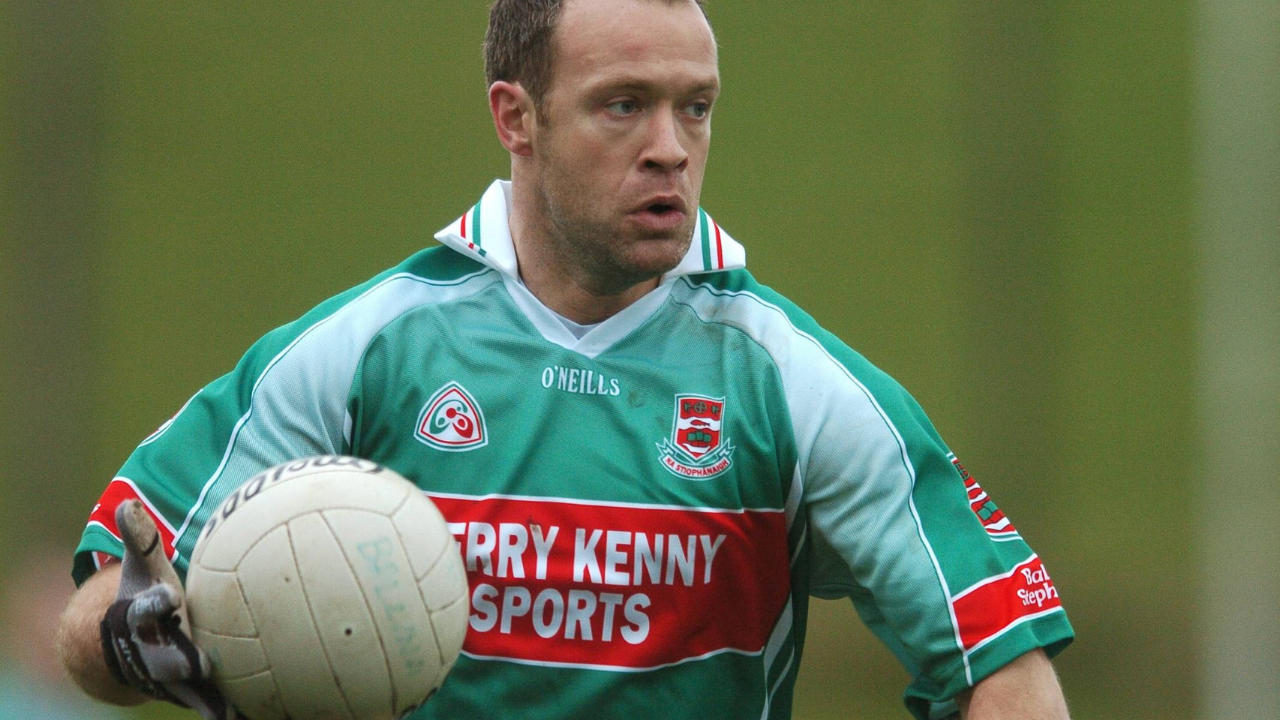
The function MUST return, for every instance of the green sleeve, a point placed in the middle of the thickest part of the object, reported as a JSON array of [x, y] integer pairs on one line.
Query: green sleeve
[[894, 522], [287, 398]]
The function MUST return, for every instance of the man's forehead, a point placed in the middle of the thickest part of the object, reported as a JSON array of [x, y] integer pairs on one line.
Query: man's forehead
[[618, 41]]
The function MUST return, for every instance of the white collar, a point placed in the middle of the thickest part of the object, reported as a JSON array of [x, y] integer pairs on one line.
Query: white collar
[[483, 233]]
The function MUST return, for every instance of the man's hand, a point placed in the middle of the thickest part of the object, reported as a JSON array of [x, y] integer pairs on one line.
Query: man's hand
[[1025, 689], [145, 642], [79, 640]]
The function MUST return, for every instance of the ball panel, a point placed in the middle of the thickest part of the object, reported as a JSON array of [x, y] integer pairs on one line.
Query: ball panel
[[279, 607], [371, 546], [344, 620], [423, 531], [450, 626], [244, 517], [447, 581], [306, 551], [255, 696], [215, 603], [232, 657]]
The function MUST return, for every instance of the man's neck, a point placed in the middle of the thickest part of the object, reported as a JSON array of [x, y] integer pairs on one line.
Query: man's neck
[[566, 289]]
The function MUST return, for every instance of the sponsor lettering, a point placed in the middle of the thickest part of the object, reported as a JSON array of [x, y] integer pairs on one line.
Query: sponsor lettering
[[580, 382], [555, 615], [988, 608], [624, 586], [1043, 590], [622, 559]]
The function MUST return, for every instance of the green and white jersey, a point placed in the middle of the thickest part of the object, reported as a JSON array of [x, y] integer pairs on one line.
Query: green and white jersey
[[643, 511]]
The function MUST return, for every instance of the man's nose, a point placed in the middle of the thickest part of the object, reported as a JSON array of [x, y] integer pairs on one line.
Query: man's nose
[[664, 150]]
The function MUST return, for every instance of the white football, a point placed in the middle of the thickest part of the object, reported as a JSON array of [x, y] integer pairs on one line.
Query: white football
[[328, 587]]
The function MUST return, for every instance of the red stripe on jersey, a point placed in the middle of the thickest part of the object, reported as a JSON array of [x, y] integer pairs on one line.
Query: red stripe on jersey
[[464, 226], [101, 559], [995, 604], [617, 587], [118, 491], [719, 247]]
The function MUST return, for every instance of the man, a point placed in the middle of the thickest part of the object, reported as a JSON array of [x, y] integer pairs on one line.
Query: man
[[586, 365]]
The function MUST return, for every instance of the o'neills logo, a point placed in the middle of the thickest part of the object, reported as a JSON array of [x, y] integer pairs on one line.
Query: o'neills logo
[[451, 420], [617, 586], [696, 448]]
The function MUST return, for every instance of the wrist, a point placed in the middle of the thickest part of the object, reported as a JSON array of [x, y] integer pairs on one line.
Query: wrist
[[79, 642]]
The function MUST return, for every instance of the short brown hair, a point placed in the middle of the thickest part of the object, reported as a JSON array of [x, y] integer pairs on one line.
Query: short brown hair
[[517, 45]]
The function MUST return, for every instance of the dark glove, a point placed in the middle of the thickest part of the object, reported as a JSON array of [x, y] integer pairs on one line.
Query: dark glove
[[146, 639]]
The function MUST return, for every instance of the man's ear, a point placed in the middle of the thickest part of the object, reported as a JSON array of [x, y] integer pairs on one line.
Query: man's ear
[[513, 117]]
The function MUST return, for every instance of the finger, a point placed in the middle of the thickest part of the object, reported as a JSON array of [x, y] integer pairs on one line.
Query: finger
[[153, 603], [145, 563], [166, 663], [137, 529], [201, 668]]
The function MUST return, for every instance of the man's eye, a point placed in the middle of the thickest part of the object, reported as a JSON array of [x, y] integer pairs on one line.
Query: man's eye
[[698, 110], [623, 107]]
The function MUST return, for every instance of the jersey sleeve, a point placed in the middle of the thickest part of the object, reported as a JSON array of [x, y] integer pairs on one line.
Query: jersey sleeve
[[286, 398], [884, 514], [897, 525]]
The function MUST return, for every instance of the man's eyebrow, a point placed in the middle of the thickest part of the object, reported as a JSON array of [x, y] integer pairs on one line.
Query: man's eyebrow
[[638, 83]]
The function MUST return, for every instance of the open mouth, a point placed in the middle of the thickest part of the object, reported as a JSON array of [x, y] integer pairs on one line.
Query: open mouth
[[663, 215]]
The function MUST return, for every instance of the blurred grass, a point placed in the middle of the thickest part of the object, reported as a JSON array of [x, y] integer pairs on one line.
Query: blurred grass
[[259, 158], [8, 243]]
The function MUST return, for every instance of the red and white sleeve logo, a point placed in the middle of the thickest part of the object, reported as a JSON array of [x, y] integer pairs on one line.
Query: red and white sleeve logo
[[994, 606], [993, 519], [103, 515]]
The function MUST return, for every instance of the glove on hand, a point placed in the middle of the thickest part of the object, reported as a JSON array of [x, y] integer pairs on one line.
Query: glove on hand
[[146, 639]]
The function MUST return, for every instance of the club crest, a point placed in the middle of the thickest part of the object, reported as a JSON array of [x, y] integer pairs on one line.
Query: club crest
[[697, 449], [993, 518], [451, 420]]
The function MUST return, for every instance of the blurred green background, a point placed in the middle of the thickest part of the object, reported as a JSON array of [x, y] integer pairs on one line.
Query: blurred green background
[[993, 201]]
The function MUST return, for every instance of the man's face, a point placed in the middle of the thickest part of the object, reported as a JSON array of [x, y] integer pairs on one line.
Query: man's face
[[621, 145]]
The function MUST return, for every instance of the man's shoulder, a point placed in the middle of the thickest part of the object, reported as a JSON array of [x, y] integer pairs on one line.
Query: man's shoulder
[[737, 285], [435, 274], [438, 263], [785, 329], [736, 297], [422, 277], [814, 364]]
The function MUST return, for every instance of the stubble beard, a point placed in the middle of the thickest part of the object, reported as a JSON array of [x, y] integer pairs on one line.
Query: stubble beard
[[605, 258]]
